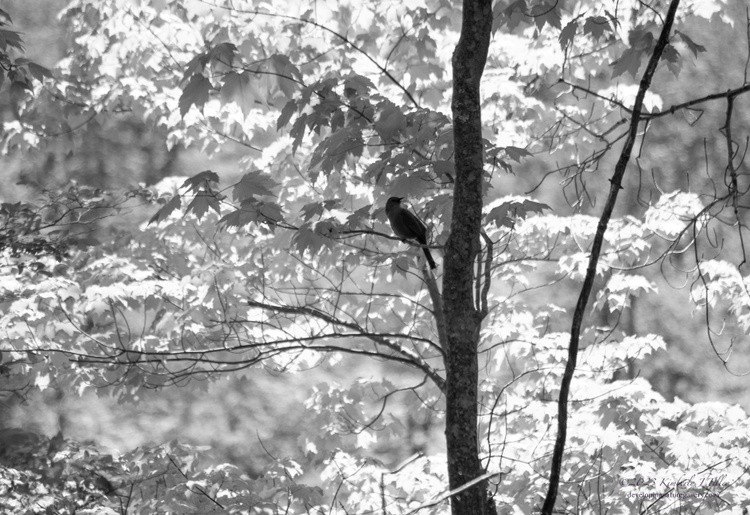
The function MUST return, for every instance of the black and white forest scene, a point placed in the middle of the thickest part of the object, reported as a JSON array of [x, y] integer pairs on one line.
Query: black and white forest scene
[[374, 257]]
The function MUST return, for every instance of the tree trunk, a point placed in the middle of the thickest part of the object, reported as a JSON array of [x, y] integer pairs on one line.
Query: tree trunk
[[461, 316]]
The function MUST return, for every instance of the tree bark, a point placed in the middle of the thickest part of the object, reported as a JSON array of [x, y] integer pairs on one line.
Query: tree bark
[[462, 317]]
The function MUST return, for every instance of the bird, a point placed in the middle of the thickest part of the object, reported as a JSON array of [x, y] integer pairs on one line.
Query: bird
[[407, 225]]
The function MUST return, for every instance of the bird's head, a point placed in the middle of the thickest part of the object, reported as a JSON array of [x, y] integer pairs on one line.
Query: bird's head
[[393, 203]]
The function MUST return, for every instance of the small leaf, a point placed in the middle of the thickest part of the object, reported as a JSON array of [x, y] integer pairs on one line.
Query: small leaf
[[360, 215], [286, 114], [596, 25], [195, 93], [318, 208], [694, 47], [202, 202], [547, 12], [288, 75], [196, 64], [224, 53], [200, 180], [10, 38], [253, 184], [517, 153], [672, 56], [236, 88], [357, 85], [641, 43], [39, 72], [629, 61], [568, 33], [164, 212], [390, 122], [508, 212]]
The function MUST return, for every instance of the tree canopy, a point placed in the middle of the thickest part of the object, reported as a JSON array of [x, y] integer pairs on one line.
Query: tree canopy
[[512, 128]]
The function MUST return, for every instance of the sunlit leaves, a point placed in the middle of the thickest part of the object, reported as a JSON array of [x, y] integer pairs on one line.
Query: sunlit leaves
[[336, 150], [670, 215], [620, 289], [303, 228]]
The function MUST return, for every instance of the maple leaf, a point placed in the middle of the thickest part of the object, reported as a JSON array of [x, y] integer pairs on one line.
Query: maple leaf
[[195, 65], [547, 13], [672, 56], [202, 202], [641, 43], [595, 26], [253, 184], [10, 38], [360, 215], [39, 72], [237, 88], [517, 153], [357, 85], [164, 212], [286, 114], [310, 238], [253, 211], [629, 61], [288, 75], [332, 152], [567, 34], [200, 180], [195, 93], [694, 47], [390, 121], [224, 53], [318, 208], [506, 214]]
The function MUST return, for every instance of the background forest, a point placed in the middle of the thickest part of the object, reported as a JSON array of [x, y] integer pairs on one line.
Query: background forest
[[314, 426]]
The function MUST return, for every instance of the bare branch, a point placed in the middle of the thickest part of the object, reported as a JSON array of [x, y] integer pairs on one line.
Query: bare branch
[[588, 282]]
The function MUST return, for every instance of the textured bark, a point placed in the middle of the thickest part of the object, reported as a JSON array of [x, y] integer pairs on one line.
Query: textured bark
[[588, 281], [462, 319]]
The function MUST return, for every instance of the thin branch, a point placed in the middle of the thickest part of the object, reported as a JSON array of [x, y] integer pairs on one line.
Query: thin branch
[[453, 492], [588, 282], [483, 304], [409, 355]]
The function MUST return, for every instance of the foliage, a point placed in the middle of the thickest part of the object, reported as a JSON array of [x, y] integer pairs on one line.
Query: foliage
[[39, 475], [292, 266]]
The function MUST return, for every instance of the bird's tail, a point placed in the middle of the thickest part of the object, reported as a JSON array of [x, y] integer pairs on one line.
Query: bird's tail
[[429, 258]]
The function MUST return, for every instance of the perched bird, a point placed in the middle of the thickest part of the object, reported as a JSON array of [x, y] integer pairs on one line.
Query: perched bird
[[407, 226]]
